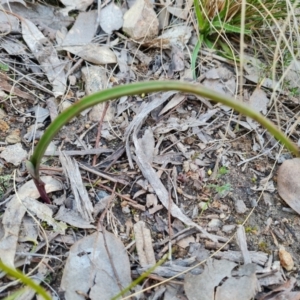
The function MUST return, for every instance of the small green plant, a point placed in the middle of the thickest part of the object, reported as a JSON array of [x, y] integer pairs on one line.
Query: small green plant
[[136, 89], [221, 189], [4, 184], [222, 171], [4, 67], [263, 246], [251, 229], [218, 17]]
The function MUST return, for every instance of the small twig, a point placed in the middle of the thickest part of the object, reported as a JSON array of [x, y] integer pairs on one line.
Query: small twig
[[74, 67], [131, 202], [102, 174], [34, 82], [78, 152], [159, 278], [169, 221], [99, 131]]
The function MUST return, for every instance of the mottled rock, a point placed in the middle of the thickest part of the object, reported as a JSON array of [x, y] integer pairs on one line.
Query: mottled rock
[[228, 228], [140, 21], [14, 154], [14, 137], [215, 223], [240, 207]]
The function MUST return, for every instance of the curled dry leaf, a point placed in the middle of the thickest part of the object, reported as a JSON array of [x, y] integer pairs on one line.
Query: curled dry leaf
[[286, 259]]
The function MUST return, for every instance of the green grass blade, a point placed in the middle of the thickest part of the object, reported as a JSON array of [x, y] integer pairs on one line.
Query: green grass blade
[[229, 28], [195, 55], [201, 18], [25, 279]]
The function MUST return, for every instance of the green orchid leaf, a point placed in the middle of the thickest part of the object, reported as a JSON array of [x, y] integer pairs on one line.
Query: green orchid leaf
[[229, 28], [195, 55], [203, 23], [149, 87]]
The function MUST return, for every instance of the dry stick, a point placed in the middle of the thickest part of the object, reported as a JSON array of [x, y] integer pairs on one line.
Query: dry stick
[[74, 67], [100, 226], [114, 160], [99, 131], [131, 202], [169, 219]]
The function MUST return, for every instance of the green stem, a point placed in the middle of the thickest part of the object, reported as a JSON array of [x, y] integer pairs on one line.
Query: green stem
[[195, 55], [150, 87]]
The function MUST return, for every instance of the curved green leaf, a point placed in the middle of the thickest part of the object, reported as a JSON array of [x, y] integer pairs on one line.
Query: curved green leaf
[[150, 87], [25, 279], [229, 28]]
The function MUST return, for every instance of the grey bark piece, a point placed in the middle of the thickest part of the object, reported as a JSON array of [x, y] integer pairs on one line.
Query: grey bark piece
[[83, 204], [241, 240], [144, 244]]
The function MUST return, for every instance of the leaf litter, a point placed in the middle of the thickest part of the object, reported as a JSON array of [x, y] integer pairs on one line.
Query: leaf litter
[[166, 153]]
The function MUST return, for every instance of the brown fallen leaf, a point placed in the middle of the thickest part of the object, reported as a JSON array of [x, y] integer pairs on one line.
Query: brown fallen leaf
[[6, 86], [288, 183]]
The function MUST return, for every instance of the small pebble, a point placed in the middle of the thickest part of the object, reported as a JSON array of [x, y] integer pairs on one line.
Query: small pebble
[[215, 223], [222, 216], [228, 228], [240, 207]]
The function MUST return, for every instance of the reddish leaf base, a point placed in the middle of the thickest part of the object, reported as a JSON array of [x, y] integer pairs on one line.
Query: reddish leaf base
[[40, 185]]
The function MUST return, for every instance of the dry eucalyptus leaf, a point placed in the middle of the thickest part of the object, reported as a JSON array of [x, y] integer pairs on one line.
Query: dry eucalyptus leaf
[[16, 211], [288, 183], [89, 270], [111, 18], [83, 30], [81, 5], [243, 288], [259, 102], [178, 98], [46, 55], [203, 286], [178, 36], [94, 53], [180, 12], [148, 143]]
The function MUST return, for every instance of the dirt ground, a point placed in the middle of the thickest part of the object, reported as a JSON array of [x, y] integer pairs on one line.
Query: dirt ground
[[219, 171]]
